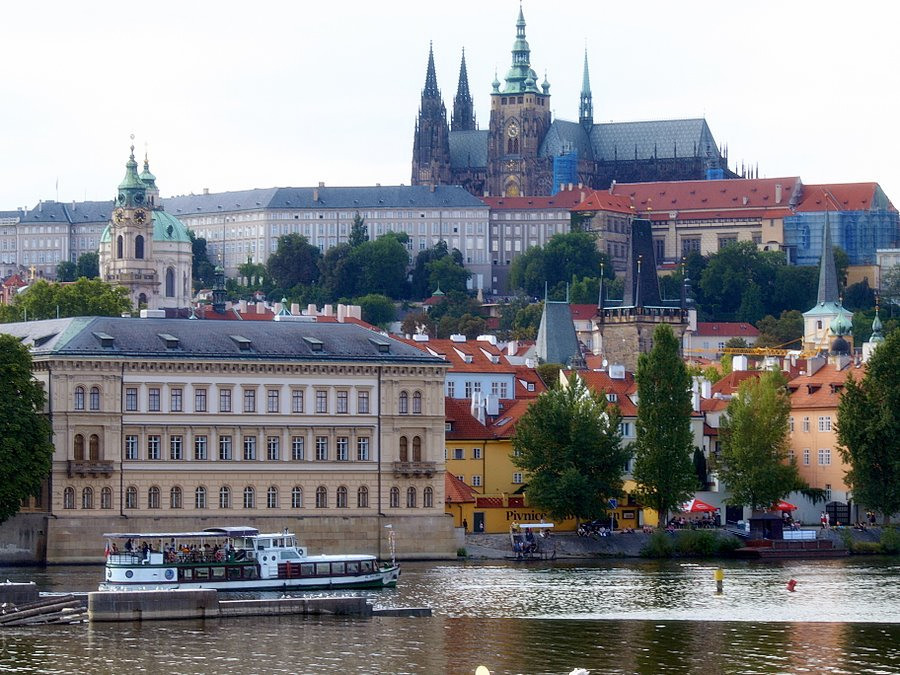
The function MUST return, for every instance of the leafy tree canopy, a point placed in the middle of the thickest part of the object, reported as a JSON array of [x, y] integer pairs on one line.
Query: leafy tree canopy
[[85, 297], [204, 272], [378, 310], [359, 232], [664, 447], [754, 432], [66, 271], [565, 256], [295, 261], [26, 451], [381, 265], [786, 332], [413, 321], [730, 271], [569, 445], [859, 296], [88, 266], [868, 430]]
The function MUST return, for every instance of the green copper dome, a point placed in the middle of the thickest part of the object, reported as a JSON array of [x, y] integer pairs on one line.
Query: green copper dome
[[876, 329], [132, 190], [167, 227], [841, 325]]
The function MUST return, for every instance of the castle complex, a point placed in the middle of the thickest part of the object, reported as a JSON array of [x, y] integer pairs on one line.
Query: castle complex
[[524, 152]]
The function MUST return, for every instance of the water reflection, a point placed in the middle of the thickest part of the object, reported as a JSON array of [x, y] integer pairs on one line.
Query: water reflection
[[612, 617]]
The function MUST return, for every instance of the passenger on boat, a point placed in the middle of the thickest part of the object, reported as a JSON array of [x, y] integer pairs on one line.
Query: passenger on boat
[[530, 544]]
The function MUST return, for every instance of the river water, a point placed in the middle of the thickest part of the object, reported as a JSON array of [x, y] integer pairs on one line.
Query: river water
[[608, 617]]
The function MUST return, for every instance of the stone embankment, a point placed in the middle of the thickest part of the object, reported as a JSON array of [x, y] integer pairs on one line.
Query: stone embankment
[[566, 545]]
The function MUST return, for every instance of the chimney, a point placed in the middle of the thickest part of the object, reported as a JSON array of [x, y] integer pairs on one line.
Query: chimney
[[260, 307], [206, 191], [778, 193], [321, 183], [311, 310], [612, 187], [295, 309], [431, 188], [315, 194], [512, 347], [242, 306], [341, 313], [327, 310]]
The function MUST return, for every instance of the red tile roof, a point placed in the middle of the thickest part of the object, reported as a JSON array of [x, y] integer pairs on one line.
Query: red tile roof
[[839, 197], [463, 426], [528, 376], [471, 356], [566, 199], [823, 388], [457, 492], [583, 312], [601, 381], [728, 329], [602, 200]]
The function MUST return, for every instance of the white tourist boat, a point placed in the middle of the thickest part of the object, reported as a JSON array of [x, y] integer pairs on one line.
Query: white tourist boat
[[233, 559]]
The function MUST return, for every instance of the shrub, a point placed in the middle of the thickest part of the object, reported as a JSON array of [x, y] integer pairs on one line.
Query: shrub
[[727, 543], [658, 546], [846, 539], [701, 543], [461, 552], [890, 540], [866, 548]]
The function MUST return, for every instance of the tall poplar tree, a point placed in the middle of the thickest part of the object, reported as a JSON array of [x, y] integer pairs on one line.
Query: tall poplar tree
[[664, 449], [25, 447], [754, 432], [868, 430], [570, 446]]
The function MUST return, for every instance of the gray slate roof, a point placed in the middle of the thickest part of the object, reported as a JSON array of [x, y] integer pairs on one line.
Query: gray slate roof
[[666, 136], [140, 338], [556, 339], [469, 149], [563, 136], [396, 196], [70, 212]]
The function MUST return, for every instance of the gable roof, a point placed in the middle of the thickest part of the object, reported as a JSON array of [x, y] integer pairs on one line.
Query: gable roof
[[598, 380], [725, 329], [457, 492], [469, 149], [660, 138], [843, 197]]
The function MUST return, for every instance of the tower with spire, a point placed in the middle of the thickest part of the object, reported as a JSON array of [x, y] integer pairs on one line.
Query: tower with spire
[[586, 105], [821, 323], [520, 118], [431, 141], [463, 118]]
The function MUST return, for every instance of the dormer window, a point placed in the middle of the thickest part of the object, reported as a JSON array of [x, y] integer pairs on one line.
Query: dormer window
[[244, 344], [171, 341]]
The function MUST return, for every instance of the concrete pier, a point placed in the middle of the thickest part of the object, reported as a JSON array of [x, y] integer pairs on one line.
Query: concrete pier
[[205, 604]]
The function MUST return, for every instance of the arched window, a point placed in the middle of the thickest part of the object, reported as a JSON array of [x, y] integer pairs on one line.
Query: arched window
[[106, 498], [342, 497], [404, 449], [87, 498], [200, 498], [417, 449], [297, 497], [79, 398], [120, 246], [224, 497], [404, 403], [428, 497], [417, 403], [509, 146], [175, 501], [79, 448], [142, 300], [170, 283], [131, 497], [95, 398], [153, 498], [411, 498], [69, 498], [272, 497], [515, 146], [249, 498], [362, 497], [139, 247], [395, 498], [94, 448], [321, 497]]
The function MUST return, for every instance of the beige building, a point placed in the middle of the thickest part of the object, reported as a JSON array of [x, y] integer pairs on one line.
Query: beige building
[[329, 429]]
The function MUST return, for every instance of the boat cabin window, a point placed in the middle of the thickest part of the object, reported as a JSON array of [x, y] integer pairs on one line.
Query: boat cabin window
[[323, 568], [262, 544], [337, 568], [353, 568], [366, 566], [218, 572], [307, 569], [289, 555]]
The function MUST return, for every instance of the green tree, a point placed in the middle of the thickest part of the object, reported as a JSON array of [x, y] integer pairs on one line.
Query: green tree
[[414, 320], [378, 310], [471, 325], [359, 232], [784, 332], [85, 297], [338, 276], [569, 445], [751, 309], [381, 265], [549, 374], [841, 266], [795, 288], [859, 296], [88, 266], [26, 449], [565, 256], [868, 430], [527, 321], [664, 447], [447, 274], [729, 272], [66, 271], [890, 287], [754, 433], [295, 261]]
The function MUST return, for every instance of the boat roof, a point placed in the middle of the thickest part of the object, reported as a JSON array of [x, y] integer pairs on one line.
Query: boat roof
[[210, 532], [535, 526]]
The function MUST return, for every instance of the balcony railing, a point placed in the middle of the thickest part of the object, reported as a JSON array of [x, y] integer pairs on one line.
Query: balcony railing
[[415, 469], [78, 467]]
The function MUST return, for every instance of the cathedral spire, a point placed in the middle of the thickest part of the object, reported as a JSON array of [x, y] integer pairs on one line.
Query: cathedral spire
[[520, 77], [828, 286], [132, 189], [463, 118], [431, 88], [586, 107]]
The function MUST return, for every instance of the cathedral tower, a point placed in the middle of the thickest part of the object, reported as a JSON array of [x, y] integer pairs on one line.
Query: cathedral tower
[[520, 117], [586, 106], [431, 142], [143, 248], [463, 108]]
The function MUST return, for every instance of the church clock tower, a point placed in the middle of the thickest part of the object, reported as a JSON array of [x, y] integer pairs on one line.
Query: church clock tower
[[520, 118]]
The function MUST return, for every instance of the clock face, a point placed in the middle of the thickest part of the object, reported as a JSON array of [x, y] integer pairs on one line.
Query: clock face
[[140, 216], [512, 130], [119, 215]]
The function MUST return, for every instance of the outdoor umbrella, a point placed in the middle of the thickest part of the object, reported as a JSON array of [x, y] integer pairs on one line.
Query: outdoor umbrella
[[782, 505], [697, 506]]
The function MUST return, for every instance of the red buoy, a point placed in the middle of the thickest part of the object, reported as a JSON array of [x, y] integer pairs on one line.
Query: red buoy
[[791, 585]]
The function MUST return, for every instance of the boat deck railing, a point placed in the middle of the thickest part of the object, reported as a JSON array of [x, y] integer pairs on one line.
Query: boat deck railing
[[177, 557]]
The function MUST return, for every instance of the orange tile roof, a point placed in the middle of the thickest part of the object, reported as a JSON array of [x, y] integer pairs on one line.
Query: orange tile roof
[[464, 426], [457, 492], [566, 199], [726, 328], [823, 388], [838, 197], [732, 381], [529, 376], [598, 380], [471, 356], [583, 312], [602, 200]]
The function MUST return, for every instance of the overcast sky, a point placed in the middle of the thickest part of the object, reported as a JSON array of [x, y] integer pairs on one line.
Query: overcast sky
[[235, 95]]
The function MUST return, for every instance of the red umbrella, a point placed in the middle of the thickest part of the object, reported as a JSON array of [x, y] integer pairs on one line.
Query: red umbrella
[[782, 505], [697, 506]]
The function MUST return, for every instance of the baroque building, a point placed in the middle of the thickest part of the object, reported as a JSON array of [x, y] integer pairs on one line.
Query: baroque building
[[329, 429], [525, 152], [143, 248]]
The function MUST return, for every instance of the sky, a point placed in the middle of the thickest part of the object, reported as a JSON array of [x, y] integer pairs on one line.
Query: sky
[[237, 95]]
